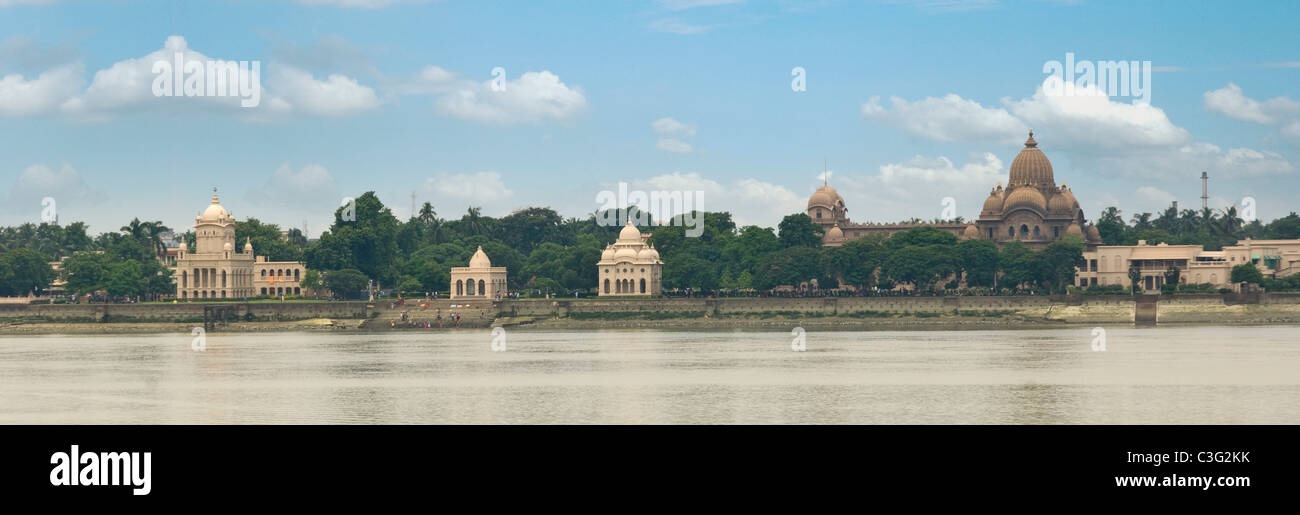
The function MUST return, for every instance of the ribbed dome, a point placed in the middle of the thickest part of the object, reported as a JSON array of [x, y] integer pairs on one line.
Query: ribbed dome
[[629, 233], [834, 234], [993, 205], [1031, 166], [971, 232], [1074, 229], [479, 259], [1026, 197], [1093, 233], [1069, 195], [1060, 204], [826, 197], [647, 254], [608, 254]]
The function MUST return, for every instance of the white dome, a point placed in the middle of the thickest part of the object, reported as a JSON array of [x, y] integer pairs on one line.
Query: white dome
[[625, 252], [228, 247], [479, 260], [647, 254], [214, 212], [629, 233], [608, 254]]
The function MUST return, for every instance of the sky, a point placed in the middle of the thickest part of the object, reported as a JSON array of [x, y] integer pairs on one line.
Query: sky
[[904, 103]]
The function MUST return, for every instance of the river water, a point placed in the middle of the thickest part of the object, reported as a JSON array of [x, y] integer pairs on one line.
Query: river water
[[1177, 375]]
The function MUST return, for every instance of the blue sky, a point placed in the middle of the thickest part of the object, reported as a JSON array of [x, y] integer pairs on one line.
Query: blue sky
[[908, 101]]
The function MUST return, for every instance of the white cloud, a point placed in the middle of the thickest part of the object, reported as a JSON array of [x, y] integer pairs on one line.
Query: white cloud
[[750, 201], [678, 26], [669, 131], [338, 95], [65, 185], [20, 96], [531, 98], [950, 118], [917, 187], [1092, 131], [480, 189], [669, 127], [310, 188], [127, 86], [1155, 196], [1229, 101], [679, 5], [673, 145], [364, 4]]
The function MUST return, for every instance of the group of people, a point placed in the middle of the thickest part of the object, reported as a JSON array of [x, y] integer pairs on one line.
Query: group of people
[[408, 321]]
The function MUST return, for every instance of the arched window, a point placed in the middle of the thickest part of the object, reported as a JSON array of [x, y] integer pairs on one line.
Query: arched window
[[1011, 232], [1024, 230], [263, 291], [1035, 231], [223, 279], [297, 291], [223, 294], [606, 285], [642, 285], [481, 289], [469, 287], [460, 287], [295, 274], [263, 272]]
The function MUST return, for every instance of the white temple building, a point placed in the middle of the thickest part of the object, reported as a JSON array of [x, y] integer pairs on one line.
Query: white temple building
[[214, 270], [479, 280], [630, 266]]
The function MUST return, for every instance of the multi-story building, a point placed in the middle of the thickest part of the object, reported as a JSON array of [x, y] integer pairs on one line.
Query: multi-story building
[[1109, 265]]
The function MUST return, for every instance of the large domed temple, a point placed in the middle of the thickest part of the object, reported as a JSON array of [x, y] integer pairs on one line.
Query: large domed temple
[[1031, 208]]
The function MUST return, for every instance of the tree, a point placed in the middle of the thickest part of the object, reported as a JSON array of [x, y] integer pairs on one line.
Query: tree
[[24, 271], [125, 279], [85, 272], [979, 259], [1172, 275], [798, 230], [348, 283], [1061, 260], [1134, 277], [1247, 273], [855, 262], [311, 280], [366, 241], [1019, 265]]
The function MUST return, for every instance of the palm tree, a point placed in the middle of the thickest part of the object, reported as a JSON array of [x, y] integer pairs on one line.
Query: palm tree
[[136, 229], [471, 220], [155, 232], [427, 214]]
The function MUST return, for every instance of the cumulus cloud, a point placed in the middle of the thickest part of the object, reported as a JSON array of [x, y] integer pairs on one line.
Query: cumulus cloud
[[531, 98], [65, 185], [461, 191], [1095, 132], [750, 201], [949, 118], [363, 4], [1231, 102], [917, 187], [21, 96], [128, 86], [310, 188], [670, 131]]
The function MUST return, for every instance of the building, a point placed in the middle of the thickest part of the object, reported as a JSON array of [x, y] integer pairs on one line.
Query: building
[[479, 280], [1109, 265], [277, 277], [630, 266], [216, 271], [1031, 209]]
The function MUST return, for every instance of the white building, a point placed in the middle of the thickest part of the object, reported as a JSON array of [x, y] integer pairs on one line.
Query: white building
[[630, 266], [479, 280]]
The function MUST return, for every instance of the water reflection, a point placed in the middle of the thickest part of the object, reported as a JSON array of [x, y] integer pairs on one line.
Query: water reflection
[[1162, 375]]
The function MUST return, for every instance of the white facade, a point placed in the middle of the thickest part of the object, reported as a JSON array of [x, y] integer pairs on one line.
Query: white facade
[[630, 266], [214, 270], [479, 280]]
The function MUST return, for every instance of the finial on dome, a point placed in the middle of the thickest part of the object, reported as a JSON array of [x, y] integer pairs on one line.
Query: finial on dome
[[1030, 142], [214, 196]]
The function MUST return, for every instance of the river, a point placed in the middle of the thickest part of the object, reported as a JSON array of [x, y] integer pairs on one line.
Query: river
[[1173, 375]]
